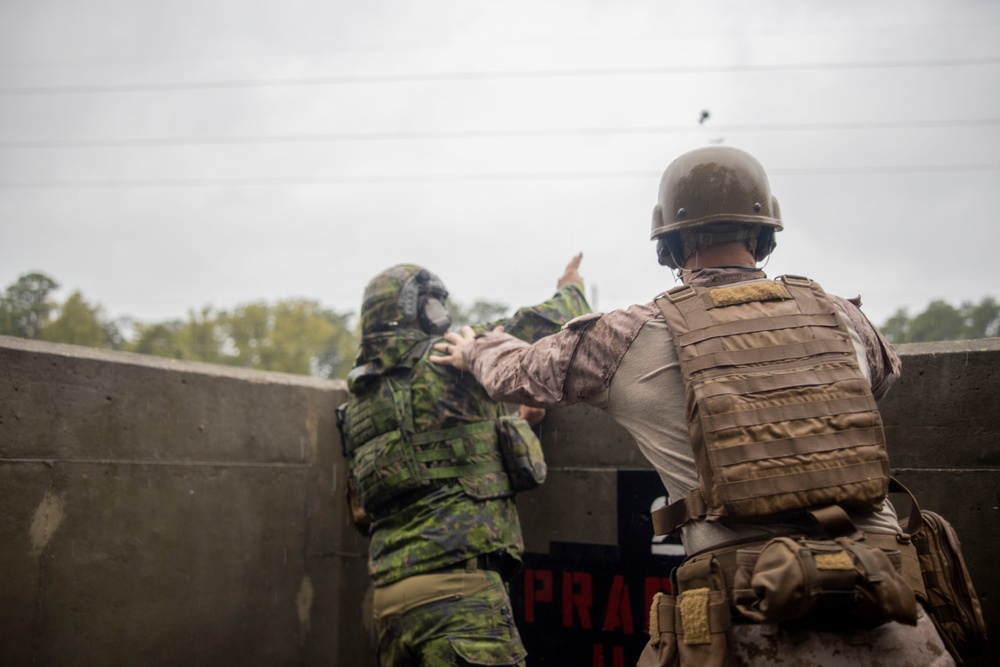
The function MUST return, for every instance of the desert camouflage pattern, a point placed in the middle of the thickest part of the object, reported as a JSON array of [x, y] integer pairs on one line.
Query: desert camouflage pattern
[[592, 361], [889, 644]]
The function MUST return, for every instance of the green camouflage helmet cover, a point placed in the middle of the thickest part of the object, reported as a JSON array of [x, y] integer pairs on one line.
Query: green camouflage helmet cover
[[393, 298]]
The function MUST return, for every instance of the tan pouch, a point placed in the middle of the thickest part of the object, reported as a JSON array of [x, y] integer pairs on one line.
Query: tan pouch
[[951, 599], [661, 651], [827, 581], [949, 596], [702, 615], [703, 629]]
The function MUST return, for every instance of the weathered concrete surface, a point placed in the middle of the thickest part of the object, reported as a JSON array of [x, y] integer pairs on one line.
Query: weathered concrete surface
[[156, 512], [162, 513], [943, 427]]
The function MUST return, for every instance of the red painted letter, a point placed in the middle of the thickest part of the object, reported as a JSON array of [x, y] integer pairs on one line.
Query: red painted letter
[[619, 612], [537, 588], [577, 592]]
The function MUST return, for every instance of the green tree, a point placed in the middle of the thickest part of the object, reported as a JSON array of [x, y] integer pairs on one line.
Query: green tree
[[897, 328], [293, 336], [247, 331], [983, 319], [161, 339], [202, 337], [942, 321], [78, 323], [25, 306]]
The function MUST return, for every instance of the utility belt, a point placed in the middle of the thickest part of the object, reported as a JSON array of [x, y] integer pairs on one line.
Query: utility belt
[[813, 583], [460, 580], [498, 561]]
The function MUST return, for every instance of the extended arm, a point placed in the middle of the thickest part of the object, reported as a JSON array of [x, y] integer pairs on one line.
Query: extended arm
[[567, 367], [535, 322]]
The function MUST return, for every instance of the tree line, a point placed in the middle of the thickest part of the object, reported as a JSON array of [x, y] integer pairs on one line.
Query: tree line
[[942, 321], [291, 336], [301, 336]]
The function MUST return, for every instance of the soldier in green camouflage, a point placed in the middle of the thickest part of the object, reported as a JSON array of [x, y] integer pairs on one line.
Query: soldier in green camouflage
[[426, 468]]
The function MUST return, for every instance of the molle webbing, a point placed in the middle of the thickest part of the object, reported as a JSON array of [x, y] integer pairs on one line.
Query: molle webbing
[[388, 457], [780, 416], [452, 453]]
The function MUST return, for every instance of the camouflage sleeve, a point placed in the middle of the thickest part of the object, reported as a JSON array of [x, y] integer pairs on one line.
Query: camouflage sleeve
[[535, 322], [515, 371], [883, 361], [575, 365]]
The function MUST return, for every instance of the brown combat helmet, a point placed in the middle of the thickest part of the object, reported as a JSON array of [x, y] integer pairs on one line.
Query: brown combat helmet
[[722, 192]]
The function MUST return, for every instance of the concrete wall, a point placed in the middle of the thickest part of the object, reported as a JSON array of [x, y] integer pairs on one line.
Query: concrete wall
[[165, 513], [156, 512]]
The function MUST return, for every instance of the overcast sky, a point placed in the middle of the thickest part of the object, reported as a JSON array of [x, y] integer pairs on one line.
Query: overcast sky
[[165, 156]]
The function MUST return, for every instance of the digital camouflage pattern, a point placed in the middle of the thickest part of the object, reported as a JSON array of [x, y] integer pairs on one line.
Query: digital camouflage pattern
[[451, 520], [380, 305], [530, 324], [473, 628]]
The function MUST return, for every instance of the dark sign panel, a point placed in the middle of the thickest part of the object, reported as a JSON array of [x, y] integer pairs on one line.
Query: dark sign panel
[[588, 605]]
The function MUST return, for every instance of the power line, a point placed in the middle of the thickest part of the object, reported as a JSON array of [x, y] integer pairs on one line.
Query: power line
[[113, 183], [543, 39], [485, 134], [288, 82]]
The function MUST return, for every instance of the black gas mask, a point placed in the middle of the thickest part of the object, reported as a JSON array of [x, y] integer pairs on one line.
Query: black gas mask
[[422, 299]]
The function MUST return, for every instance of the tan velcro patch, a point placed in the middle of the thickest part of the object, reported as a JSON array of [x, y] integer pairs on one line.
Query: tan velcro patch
[[654, 620], [694, 616], [838, 561], [737, 294]]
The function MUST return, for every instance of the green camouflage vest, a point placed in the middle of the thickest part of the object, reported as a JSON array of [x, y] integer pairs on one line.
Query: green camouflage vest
[[397, 391], [391, 455]]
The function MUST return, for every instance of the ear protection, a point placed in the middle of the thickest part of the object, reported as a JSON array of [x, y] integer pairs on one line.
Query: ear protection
[[422, 299], [766, 243], [670, 248], [433, 315]]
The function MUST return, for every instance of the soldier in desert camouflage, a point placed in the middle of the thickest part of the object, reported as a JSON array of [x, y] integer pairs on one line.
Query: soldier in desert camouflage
[[755, 401]]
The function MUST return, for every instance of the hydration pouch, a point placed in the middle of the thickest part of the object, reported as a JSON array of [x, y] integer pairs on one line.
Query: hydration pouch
[[521, 451], [949, 597], [826, 583], [951, 600]]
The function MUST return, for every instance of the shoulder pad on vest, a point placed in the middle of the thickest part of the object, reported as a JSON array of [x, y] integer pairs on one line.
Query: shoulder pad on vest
[[362, 372]]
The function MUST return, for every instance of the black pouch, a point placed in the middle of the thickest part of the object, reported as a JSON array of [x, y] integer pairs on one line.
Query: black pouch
[[521, 451]]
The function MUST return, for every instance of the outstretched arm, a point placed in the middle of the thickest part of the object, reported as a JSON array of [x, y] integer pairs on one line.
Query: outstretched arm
[[535, 322], [572, 273]]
